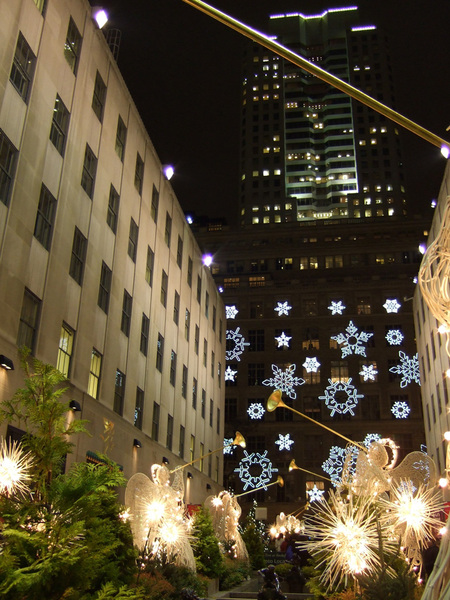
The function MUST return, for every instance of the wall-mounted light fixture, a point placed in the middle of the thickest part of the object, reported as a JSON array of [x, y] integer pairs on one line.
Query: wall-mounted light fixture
[[6, 363], [137, 443], [189, 475], [168, 171], [208, 486], [100, 16], [75, 406], [165, 460]]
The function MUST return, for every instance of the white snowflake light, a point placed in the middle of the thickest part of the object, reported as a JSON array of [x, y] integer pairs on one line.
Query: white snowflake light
[[252, 461], [284, 380], [394, 337], [230, 374], [341, 397], [315, 495], [239, 343], [231, 312], [368, 373], [283, 340], [337, 308], [371, 437], [284, 442], [282, 308], [400, 410], [391, 305], [351, 341], [256, 410], [408, 369], [228, 447], [311, 365], [334, 464]]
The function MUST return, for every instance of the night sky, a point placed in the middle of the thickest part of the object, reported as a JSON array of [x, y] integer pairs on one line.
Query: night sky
[[183, 70]]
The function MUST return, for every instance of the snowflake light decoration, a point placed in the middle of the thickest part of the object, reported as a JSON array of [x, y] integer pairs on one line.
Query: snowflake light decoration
[[400, 410], [315, 494], [284, 380], [391, 305], [231, 312], [311, 365], [337, 308], [230, 374], [282, 308], [371, 437], [284, 442], [250, 461], [256, 410], [408, 369], [228, 447], [334, 464], [341, 397], [283, 340], [394, 337], [239, 343], [368, 373], [351, 342]]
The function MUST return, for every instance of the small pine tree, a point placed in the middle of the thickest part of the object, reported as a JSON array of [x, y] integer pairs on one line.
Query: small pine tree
[[254, 539], [208, 558]]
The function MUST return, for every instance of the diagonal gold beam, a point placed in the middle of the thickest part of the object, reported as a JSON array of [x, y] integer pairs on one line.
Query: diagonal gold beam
[[301, 62]]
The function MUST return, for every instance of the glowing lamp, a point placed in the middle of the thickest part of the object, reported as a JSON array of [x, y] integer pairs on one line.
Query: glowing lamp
[[445, 151], [433, 203], [422, 248], [207, 260], [443, 482], [189, 219], [168, 171], [447, 373], [447, 436], [100, 16]]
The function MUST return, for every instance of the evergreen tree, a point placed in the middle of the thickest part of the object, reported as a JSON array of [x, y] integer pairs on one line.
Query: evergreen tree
[[253, 536], [208, 558]]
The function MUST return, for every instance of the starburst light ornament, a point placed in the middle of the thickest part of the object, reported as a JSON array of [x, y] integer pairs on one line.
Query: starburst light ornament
[[394, 337], [351, 341], [230, 374], [284, 380], [255, 462], [15, 466], [282, 308], [369, 373], [400, 410], [337, 307], [238, 339], [341, 397], [231, 312], [315, 495], [408, 369], [311, 365], [284, 442], [228, 447], [391, 305], [256, 410], [283, 340]]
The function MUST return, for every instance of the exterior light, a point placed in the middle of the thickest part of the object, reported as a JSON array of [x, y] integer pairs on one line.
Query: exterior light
[[443, 482], [100, 16], [447, 374], [220, 289], [168, 172], [189, 219], [208, 486], [137, 443], [433, 203], [447, 436], [445, 151], [165, 460], [207, 260], [6, 363], [422, 248], [75, 406], [189, 475]]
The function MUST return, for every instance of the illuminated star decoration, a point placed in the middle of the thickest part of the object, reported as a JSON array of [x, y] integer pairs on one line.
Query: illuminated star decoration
[[284, 442], [282, 308], [400, 410], [283, 340], [351, 342], [256, 410], [231, 312], [311, 365], [368, 373], [341, 397], [394, 337], [239, 343], [284, 380], [228, 447], [315, 494], [391, 305], [408, 369], [337, 308], [255, 460], [230, 374], [15, 465]]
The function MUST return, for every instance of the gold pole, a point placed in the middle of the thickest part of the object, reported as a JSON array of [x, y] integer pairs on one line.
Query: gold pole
[[239, 440], [293, 467], [301, 62], [279, 480]]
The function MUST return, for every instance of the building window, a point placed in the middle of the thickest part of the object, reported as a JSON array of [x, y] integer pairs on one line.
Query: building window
[[213, 358], [339, 371], [363, 306], [89, 172], [28, 323], [202, 452], [139, 177], [40, 4], [310, 308], [159, 353], [149, 266], [8, 156], [121, 138], [45, 218], [60, 126], [119, 392], [211, 412], [199, 289], [65, 350], [214, 318], [219, 373], [311, 377], [256, 310], [184, 382], [203, 406], [72, 47], [189, 272], [312, 408], [179, 252], [99, 96], [370, 408], [22, 69], [155, 204], [181, 441], [164, 283], [104, 288], [155, 422], [176, 308], [94, 373], [196, 339], [127, 305], [207, 305], [113, 209], [168, 229], [194, 393], [133, 240], [187, 324], [173, 368], [169, 438], [218, 421], [256, 340], [145, 328], [192, 449], [284, 415], [78, 256], [139, 408], [205, 352], [255, 373]]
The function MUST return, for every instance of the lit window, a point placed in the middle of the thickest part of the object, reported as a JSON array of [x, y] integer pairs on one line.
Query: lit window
[[22, 69], [72, 46], [94, 373], [60, 125], [65, 350]]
